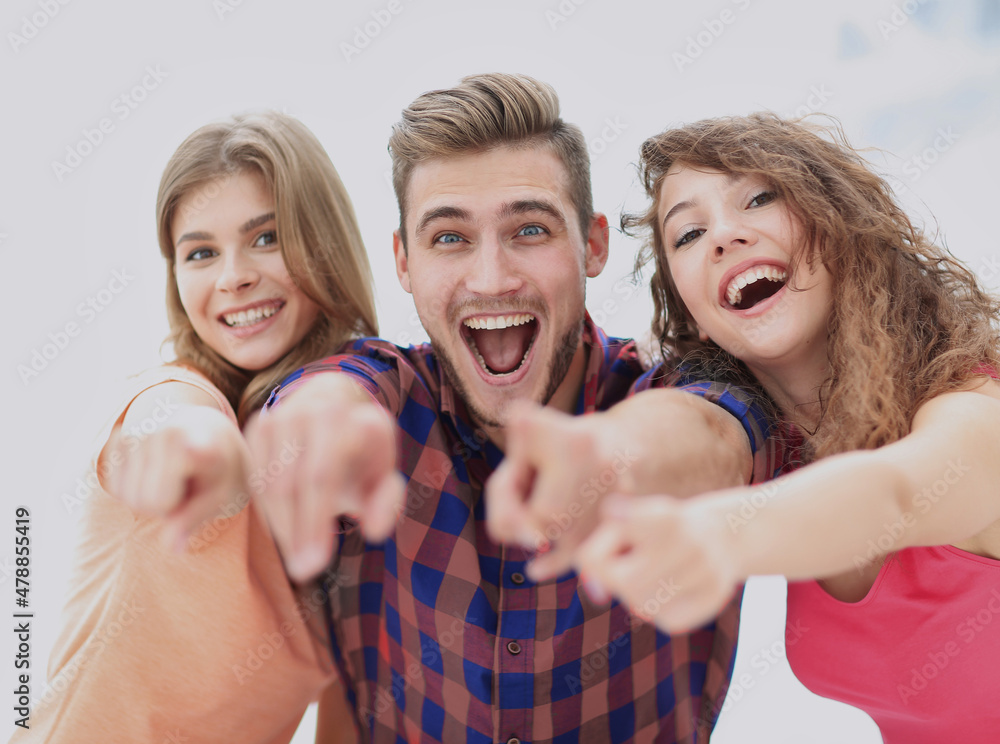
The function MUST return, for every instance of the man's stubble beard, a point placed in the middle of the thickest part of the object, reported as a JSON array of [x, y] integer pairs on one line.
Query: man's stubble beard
[[561, 361]]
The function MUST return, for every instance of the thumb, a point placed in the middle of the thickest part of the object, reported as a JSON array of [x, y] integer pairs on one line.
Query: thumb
[[642, 515], [384, 506], [506, 492]]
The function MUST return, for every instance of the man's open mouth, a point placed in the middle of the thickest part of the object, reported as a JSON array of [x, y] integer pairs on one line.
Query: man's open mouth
[[501, 343], [755, 285]]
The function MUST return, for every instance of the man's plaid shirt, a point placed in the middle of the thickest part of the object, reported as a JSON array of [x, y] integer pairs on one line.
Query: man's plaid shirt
[[438, 634]]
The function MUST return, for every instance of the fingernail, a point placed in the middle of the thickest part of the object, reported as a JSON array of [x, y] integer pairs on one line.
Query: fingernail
[[376, 532], [307, 561], [595, 592], [180, 542], [530, 540], [351, 501], [532, 572], [615, 506], [173, 539]]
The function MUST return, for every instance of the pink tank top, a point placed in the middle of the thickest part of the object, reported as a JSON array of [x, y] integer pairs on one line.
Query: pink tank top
[[920, 653]]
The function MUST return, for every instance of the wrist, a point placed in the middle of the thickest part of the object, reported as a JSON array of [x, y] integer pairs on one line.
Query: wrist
[[724, 530]]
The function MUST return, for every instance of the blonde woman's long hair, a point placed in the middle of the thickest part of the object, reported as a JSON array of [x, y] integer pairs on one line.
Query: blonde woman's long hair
[[317, 233]]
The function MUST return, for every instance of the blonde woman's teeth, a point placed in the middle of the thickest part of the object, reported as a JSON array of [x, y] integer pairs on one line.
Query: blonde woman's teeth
[[249, 317]]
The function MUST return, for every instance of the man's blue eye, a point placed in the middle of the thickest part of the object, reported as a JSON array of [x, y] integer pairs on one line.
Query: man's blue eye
[[449, 238], [531, 231]]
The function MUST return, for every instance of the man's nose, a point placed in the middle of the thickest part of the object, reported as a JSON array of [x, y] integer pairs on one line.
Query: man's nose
[[492, 272]]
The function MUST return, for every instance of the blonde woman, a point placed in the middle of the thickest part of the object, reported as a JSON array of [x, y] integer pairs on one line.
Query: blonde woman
[[181, 624]]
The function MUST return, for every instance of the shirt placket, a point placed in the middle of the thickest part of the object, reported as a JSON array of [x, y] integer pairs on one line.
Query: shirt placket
[[514, 654]]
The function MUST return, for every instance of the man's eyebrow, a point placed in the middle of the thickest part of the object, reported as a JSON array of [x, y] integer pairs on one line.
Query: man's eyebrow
[[256, 222], [525, 206], [441, 213]]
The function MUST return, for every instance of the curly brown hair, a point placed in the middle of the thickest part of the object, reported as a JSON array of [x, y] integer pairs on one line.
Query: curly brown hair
[[909, 321]]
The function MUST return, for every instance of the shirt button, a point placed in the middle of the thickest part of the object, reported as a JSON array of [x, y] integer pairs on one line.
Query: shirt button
[[517, 577], [514, 647], [513, 740]]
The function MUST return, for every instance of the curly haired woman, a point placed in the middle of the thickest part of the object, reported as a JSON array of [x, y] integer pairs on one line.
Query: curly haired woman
[[784, 262]]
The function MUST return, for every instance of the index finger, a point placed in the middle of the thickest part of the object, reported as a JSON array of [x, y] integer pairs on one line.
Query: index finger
[[274, 497], [506, 490]]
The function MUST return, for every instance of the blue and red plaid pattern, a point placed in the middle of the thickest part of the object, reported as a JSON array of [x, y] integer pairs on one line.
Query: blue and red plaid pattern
[[438, 634]]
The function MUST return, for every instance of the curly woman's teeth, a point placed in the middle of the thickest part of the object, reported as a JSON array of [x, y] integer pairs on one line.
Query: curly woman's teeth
[[734, 292], [249, 317]]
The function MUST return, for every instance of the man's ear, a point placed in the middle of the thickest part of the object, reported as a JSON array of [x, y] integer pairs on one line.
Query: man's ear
[[597, 245], [402, 262]]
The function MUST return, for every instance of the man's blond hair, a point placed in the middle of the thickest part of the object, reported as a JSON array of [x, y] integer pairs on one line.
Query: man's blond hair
[[485, 112]]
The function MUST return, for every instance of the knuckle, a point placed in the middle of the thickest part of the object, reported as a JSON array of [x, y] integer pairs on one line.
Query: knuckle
[[321, 477]]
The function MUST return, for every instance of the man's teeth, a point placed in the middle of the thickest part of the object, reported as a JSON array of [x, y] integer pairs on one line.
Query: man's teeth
[[490, 323], [494, 322], [249, 317], [482, 362], [734, 293]]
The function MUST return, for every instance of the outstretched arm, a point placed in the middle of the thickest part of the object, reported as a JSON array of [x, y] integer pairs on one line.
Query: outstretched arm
[[177, 456], [935, 486], [345, 463], [558, 467], [192, 616], [938, 485]]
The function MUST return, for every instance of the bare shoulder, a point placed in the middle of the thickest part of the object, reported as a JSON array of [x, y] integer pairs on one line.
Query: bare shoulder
[[983, 385], [977, 401], [975, 408], [158, 402]]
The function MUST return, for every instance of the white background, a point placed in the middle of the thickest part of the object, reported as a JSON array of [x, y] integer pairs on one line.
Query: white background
[[896, 74]]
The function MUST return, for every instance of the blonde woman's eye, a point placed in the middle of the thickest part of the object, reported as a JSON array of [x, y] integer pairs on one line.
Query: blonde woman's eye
[[688, 237], [266, 238], [200, 254], [764, 197]]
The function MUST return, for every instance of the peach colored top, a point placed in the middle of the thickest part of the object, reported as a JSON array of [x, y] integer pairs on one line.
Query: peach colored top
[[211, 645]]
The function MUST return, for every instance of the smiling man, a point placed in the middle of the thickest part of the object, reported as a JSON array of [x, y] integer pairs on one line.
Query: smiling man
[[446, 631], [497, 274]]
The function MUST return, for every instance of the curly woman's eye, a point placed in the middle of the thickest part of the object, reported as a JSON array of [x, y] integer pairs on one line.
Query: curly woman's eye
[[764, 197], [688, 237]]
